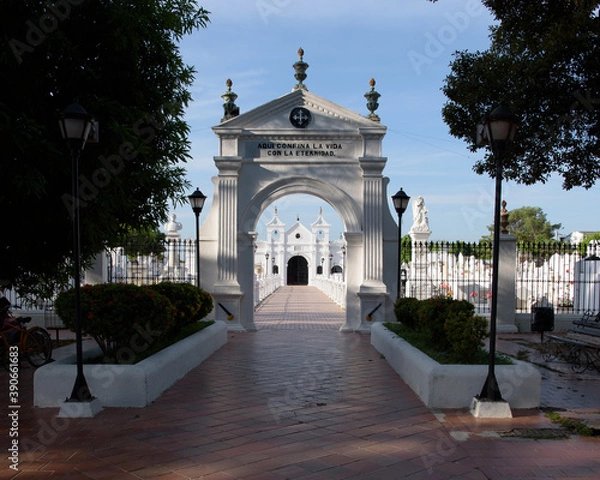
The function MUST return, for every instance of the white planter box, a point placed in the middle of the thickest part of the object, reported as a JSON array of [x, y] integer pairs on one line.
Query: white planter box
[[128, 385], [454, 386]]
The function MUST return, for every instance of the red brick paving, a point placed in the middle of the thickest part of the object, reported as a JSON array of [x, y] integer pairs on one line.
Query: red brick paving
[[305, 403]]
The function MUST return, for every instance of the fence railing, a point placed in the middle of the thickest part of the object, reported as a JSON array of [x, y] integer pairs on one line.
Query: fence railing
[[565, 276], [265, 286], [450, 269], [333, 286], [172, 260]]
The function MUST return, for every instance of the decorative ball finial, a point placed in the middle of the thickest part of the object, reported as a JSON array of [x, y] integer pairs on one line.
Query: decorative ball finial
[[372, 96], [230, 108], [300, 67]]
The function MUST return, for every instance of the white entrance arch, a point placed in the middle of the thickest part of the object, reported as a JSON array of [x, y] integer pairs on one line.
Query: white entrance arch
[[300, 143]]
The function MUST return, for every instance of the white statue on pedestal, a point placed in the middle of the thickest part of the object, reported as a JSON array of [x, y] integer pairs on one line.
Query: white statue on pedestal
[[420, 220]]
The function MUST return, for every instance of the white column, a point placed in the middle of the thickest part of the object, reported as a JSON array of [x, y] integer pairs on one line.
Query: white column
[[227, 291], [227, 254], [373, 221], [354, 273]]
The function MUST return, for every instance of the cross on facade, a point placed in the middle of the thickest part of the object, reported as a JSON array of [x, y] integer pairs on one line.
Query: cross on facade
[[300, 117]]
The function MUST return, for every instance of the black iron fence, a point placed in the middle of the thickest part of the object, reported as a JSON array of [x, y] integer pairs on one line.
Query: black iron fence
[[167, 260], [563, 276], [457, 270]]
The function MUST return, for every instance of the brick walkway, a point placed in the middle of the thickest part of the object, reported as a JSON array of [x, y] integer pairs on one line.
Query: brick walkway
[[298, 308], [307, 404]]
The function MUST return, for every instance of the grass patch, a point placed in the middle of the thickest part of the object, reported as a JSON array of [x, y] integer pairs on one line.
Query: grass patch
[[155, 347], [421, 341], [572, 425], [523, 355]]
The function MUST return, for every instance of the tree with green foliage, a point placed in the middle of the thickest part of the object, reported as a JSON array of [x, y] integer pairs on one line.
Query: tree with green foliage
[[529, 224], [142, 242], [543, 62], [590, 237], [406, 247], [120, 60], [584, 245]]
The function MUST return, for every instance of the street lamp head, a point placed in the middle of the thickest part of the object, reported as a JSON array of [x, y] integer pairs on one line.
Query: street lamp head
[[400, 200], [75, 124], [197, 200], [498, 128]]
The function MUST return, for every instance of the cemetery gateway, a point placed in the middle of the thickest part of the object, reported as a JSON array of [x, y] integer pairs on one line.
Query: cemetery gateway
[[300, 143]]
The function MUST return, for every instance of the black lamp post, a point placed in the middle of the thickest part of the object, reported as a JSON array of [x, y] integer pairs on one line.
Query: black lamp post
[[75, 126], [197, 200], [400, 200], [497, 130]]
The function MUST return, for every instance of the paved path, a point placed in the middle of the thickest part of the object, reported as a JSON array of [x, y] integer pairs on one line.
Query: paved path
[[280, 404], [298, 308], [561, 388]]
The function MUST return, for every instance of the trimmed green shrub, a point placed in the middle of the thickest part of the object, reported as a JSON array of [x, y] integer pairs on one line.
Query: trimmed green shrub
[[432, 317], [206, 305], [186, 299], [118, 315], [465, 334], [446, 325], [406, 311]]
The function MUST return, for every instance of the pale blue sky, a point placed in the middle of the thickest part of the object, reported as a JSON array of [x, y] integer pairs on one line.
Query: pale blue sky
[[407, 47]]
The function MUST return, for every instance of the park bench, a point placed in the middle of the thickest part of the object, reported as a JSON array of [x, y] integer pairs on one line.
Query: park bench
[[580, 346]]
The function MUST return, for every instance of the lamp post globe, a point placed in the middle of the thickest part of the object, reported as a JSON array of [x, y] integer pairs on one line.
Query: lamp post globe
[[75, 125]]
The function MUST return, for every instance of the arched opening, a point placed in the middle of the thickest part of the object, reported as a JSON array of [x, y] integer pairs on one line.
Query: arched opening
[[297, 271]]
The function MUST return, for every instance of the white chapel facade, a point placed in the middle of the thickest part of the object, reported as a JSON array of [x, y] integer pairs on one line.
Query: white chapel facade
[[300, 143], [298, 253]]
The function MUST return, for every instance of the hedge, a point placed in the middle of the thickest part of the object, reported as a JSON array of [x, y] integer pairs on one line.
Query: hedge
[[120, 315], [447, 324]]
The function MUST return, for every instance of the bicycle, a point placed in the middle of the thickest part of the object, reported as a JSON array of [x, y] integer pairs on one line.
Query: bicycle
[[35, 344]]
